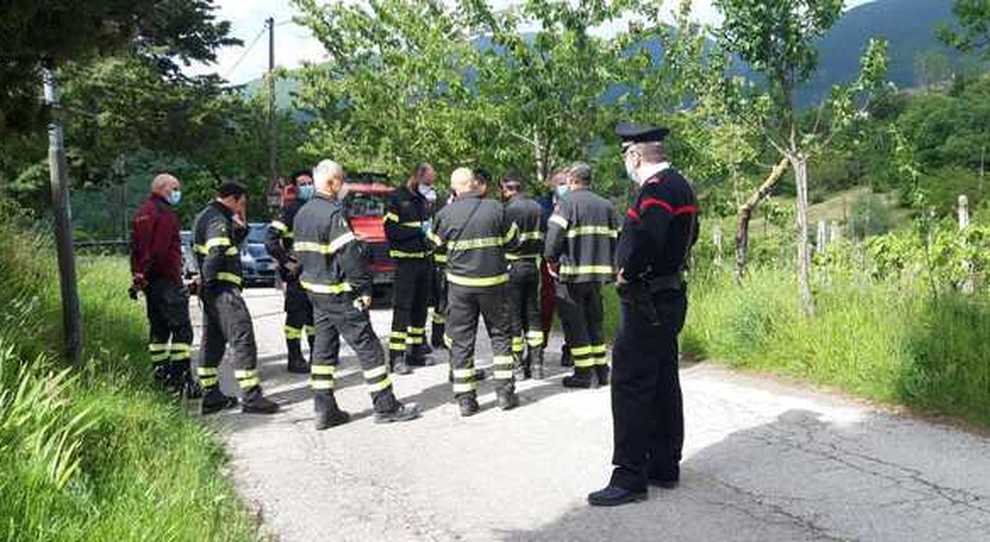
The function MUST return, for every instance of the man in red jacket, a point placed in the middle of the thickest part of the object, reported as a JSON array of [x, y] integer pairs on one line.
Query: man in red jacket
[[156, 266]]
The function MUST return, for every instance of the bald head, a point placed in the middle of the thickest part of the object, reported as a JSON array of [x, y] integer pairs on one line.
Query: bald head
[[328, 176], [462, 180], [164, 184]]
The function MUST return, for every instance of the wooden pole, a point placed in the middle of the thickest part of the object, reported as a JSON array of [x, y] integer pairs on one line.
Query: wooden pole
[[969, 283], [272, 126], [71, 319]]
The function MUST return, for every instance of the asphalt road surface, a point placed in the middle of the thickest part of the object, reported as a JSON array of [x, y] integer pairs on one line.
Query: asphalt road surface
[[763, 462]]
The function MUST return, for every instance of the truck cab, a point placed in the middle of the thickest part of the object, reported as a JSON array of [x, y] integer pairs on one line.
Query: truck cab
[[365, 203]]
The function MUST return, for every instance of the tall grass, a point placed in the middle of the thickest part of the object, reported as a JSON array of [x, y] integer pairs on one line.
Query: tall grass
[[95, 453]]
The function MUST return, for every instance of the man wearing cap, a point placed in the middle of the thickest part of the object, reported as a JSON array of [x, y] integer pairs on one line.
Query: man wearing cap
[[654, 247], [580, 247], [524, 277]]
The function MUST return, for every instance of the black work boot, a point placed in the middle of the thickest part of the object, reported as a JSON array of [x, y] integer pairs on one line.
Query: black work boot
[[188, 386], [394, 411], [328, 414], [601, 372], [437, 337], [214, 401], [469, 405], [507, 399], [416, 356], [399, 365], [580, 379], [521, 368], [297, 362], [536, 363], [565, 357], [256, 403]]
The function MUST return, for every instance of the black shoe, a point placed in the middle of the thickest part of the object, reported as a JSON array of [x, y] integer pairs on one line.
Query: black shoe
[[399, 366], [565, 357], [577, 381], [298, 366], [215, 401], [403, 413], [417, 361], [469, 406], [328, 414], [615, 496], [601, 372], [256, 403], [507, 400]]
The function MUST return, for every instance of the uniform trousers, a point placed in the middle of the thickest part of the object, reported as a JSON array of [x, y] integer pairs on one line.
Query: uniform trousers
[[171, 332], [464, 305], [227, 324], [581, 315], [524, 294], [410, 291]]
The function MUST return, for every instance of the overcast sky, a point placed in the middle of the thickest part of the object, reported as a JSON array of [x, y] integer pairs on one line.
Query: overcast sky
[[294, 44]]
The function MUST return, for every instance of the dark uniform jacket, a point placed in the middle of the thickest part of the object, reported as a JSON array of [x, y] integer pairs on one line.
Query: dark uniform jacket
[[404, 217], [526, 214], [280, 237], [216, 242], [332, 259], [581, 237], [659, 229], [156, 249], [476, 234]]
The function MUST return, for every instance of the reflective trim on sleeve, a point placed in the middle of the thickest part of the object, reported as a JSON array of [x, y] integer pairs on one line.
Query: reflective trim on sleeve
[[391, 217], [531, 236], [587, 270], [406, 255], [278, 225], [478, 282], [440, 258], [512, 233], [217, 242], [229, 277], [475, 244], [232, 251], [591, 230], [327, 288], [415, 224], [517, 257], [434, 238], [560, 221]]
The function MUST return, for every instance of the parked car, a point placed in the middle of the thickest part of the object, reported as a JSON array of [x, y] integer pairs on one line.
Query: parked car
[[257, 264], [367, 198]]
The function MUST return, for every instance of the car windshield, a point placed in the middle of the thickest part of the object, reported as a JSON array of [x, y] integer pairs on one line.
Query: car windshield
[[257, 233], [364, 205]]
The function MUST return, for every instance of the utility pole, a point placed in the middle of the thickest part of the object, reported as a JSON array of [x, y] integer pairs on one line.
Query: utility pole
[[71, 320], [272, 128]]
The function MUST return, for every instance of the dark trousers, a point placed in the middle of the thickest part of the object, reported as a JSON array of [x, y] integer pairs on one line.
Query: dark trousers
[[299, 321], [438, 296], [171, 332], [410, 291], [227, 324], [548, 300], [464, 305], [524, 294], [333, 313], [647, 410], [581, 315]]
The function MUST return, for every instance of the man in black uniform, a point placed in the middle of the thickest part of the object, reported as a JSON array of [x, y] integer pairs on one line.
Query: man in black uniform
[[335, 274], [656, 240], [406, 226], [524, 277], [298, 310], [475, 233], [581, 239], [218, 233]]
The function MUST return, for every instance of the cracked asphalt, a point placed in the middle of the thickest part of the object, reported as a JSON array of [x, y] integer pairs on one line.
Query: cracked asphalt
[[763, 462]]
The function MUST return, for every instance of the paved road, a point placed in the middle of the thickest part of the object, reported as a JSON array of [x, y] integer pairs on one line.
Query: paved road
[[763, 462]]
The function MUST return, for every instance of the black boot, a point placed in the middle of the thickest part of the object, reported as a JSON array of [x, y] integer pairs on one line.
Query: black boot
[[601, 372], [536, 363], [188, 385], [297, 363], [522, 369], [437, 337], [328, 414], [388, 409], [256, 403], [399, 366], [417, 356], [214, 401], [469, 405], [507, 399], [580, 379], [565, 357]]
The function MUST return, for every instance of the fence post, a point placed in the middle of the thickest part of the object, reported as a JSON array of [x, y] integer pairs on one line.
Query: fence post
[[969, 284], [822, 237], [717, 240], [835, 234]]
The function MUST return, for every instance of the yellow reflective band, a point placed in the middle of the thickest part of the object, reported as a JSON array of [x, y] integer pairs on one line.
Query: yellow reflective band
[[200, 249], [584, 362], [531, 236], [232, 251], [322, 370], [379, 386], [503, 360], [601, 362], [157, 347], [434, 238], [391, 217], [464, 373], [592, 230], [586, 270], [534, 343], [376, 372], [229, 277], [292, 332], [208, 382], [310, 330], [341, 242], [181, 356], [245, 374], [161, 356], [560, 221], [321, 384], [249, 383], [502, 375], [534, 335], [583, 351], [447, 341], [327, 288], [517, 340], [217, 242], [416, 330], [207, 371], [401, 254], [598, 349], [511, 234], [279, 225], [414, 340], [324, 248], [439, 319], [515, 257], [180, 347], [398, 347], [518, 348], [466, 387], [289, 235], [412, 224], [399, 334], [440, 258], [482, 282], [475, 244]]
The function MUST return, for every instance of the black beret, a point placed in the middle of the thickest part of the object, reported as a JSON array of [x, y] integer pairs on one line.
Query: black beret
[[636, 133]]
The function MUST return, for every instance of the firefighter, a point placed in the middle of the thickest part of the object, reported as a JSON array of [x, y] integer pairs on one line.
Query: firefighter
[[298, 310], [524, 277], [475, 233], [156, 268], [557, 188], [335, 275], [406, 226], [218, 233], [580, 245], [653, 252]]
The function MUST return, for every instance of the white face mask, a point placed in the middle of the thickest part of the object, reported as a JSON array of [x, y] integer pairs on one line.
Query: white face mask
[[632, 173], [428, 192]]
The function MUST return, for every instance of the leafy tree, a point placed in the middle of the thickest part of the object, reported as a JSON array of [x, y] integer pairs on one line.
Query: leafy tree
[[973, 34], [777, 38], [931, 68]]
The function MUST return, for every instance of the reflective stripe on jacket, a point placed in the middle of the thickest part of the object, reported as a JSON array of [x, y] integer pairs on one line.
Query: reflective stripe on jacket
[[526, 214], [332, 259], [476, 234], [581, 237], [404, 218], [216, 243]]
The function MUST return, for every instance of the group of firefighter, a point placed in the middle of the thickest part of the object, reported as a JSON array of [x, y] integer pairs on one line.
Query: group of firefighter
[[511, 260]]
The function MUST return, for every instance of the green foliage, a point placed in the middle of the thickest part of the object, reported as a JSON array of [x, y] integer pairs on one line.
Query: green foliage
[[973, 32], [870, 216], [95, 454]]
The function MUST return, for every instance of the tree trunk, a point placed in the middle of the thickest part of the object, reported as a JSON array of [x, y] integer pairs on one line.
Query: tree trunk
[[807, 302], [746, 213]]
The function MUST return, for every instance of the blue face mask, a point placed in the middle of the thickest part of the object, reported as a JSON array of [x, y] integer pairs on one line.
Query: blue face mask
[[175, 197], [306, 192], [562, 190]]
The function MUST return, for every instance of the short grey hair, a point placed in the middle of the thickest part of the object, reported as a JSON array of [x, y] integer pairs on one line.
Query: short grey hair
[[324, 171], [580, 172], [161, 181]]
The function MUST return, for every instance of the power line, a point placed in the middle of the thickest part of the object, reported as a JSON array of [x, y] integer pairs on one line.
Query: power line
[[245, 54]]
